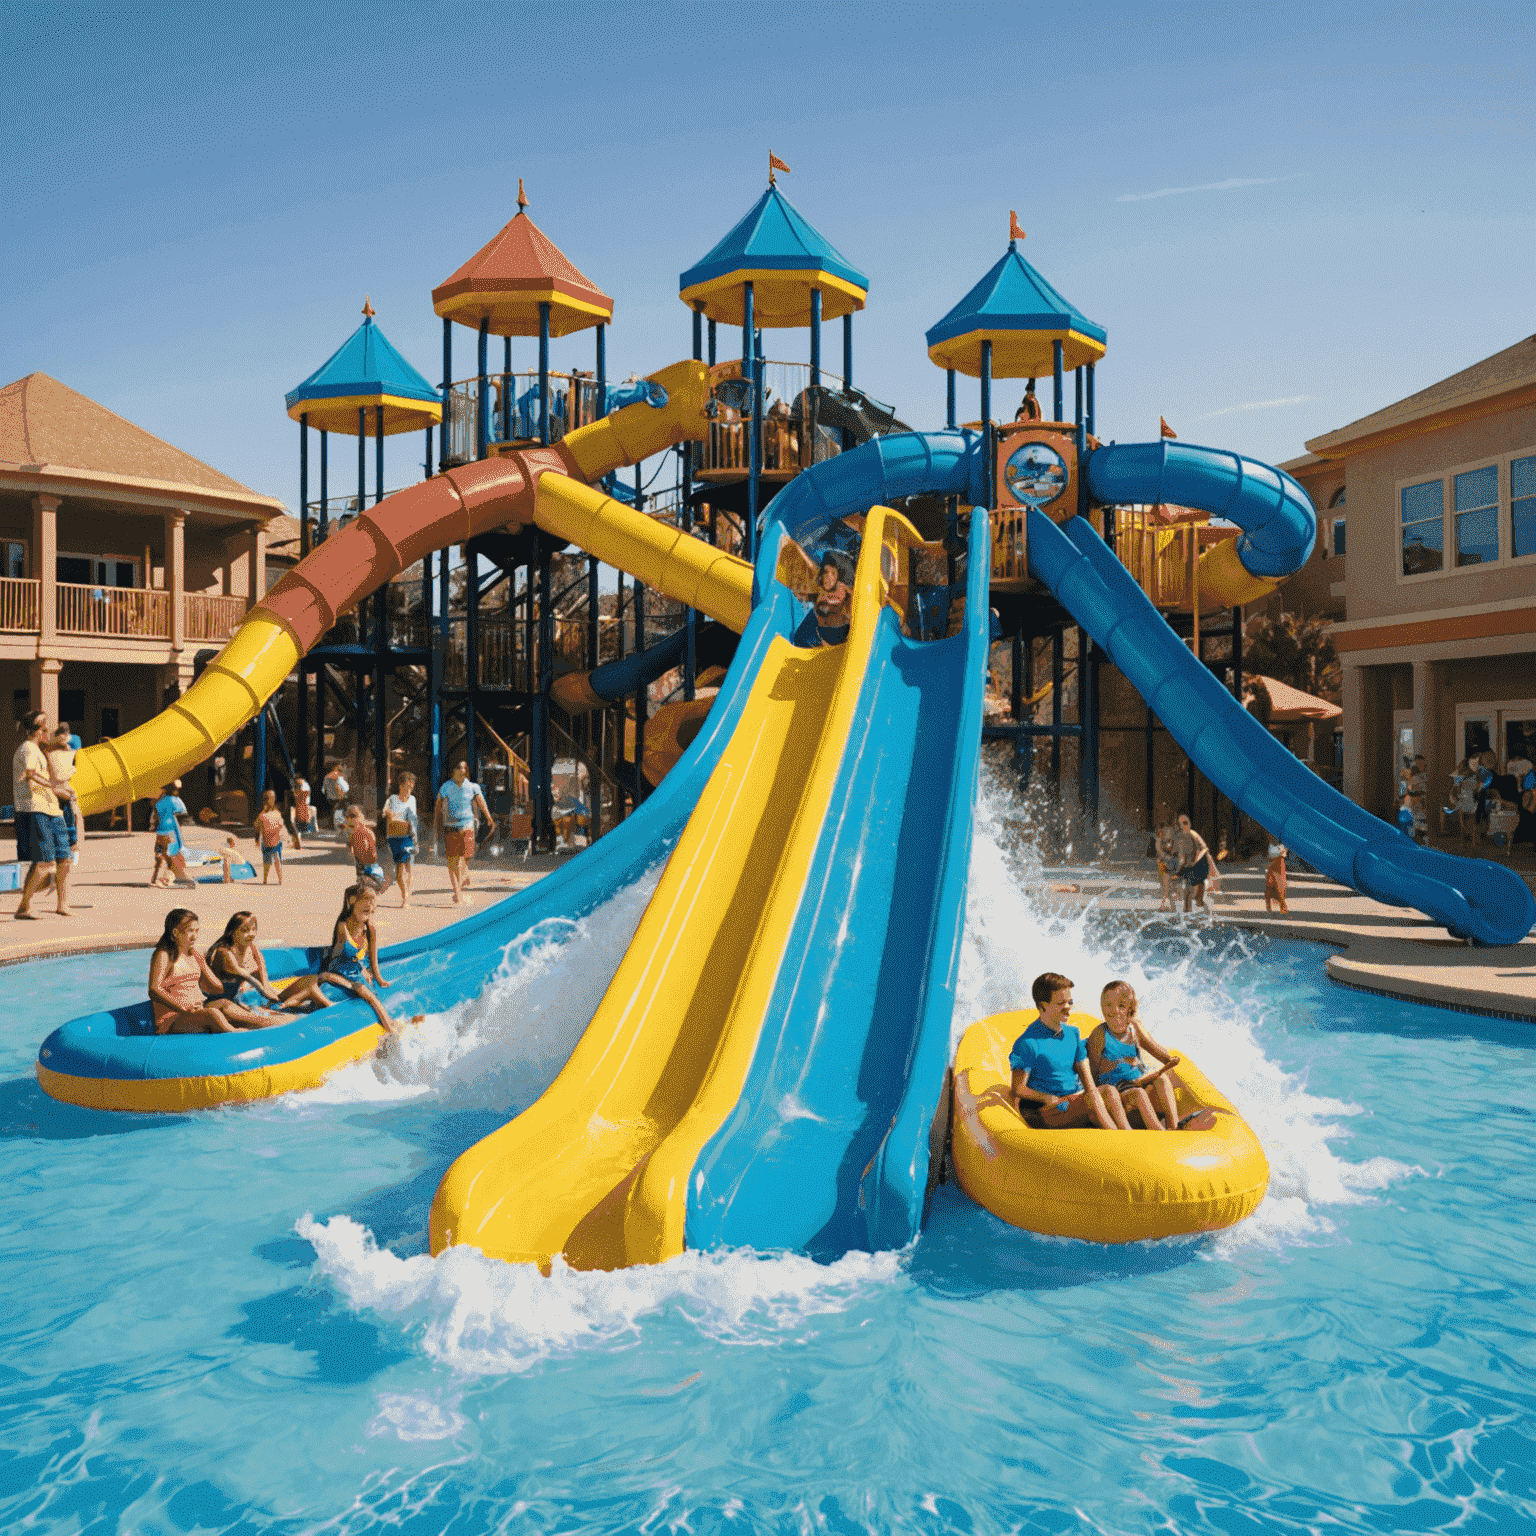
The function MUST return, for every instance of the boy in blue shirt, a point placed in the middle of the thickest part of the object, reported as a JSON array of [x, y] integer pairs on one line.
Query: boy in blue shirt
[[1050, 1066]]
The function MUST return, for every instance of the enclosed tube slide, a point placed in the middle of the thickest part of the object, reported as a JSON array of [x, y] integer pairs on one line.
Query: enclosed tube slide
[[1271, 508], [1473, 898], [545, 486]]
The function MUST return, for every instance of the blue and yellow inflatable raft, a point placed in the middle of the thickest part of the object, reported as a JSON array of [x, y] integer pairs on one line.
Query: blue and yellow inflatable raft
[[115, 1060], [1100, 1186]]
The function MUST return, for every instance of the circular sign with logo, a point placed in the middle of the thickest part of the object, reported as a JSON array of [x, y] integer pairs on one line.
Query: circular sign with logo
[[1034, 474]]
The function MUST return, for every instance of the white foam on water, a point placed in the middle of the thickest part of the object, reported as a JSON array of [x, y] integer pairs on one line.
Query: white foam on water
[[482, 1316], [502, 1047], [1015, 929]]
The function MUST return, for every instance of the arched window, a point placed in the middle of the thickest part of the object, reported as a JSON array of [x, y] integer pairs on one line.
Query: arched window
[[1338, 498]]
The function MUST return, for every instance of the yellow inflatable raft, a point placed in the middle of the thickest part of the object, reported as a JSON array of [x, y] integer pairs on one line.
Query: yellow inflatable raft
[[1101, 1186]]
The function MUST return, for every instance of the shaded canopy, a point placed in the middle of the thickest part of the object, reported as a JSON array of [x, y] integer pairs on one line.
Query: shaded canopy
[[785, 259], [1021, 314], [365, 372], [1287, 705]]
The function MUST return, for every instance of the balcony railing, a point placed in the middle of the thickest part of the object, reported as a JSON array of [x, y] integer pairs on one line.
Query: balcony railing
[[212, 618], [792, 437], [18, 604], [130, 613], [338, 509], [512, 409]]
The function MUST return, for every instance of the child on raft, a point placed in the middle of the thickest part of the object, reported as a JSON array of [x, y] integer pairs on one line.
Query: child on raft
[[1114, 1054], [188, 999], [238, 963], [1050, 1066], [354, 945]]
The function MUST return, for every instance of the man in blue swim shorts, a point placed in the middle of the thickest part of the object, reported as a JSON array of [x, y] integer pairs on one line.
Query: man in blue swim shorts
[[1050, 1066], [41, 835]]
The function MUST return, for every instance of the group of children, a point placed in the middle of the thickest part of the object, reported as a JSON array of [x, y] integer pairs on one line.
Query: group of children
[[1060, 1081], [229, 989]]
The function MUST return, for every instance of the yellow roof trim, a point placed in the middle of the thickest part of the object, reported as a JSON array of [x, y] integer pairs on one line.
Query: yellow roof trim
[[519, 308], [339, 414], [1016, 354], [781, 298]]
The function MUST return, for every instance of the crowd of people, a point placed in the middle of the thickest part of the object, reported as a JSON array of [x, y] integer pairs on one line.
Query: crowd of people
[[1483, 802]]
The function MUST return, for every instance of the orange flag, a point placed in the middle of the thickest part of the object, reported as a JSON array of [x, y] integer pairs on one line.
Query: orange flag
[[775, 164], [1014, 232], [1166, 431]]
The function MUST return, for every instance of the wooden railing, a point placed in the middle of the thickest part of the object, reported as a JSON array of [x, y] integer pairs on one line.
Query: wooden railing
[[210, 617], [18, 604], [122, 612]]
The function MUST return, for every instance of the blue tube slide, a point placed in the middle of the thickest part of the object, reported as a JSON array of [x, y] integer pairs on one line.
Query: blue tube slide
[[827, 1148], [1274, 512], [437, 970], [1473, 898]]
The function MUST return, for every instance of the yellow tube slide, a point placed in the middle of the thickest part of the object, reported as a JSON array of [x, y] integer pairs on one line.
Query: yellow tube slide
[[344, 570], [598, 1168]]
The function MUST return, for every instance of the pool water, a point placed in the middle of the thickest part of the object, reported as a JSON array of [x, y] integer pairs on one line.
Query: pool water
[[229, 1322]]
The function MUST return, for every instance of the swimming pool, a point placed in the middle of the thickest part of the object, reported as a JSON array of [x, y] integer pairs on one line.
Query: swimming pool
[[228, 1321]]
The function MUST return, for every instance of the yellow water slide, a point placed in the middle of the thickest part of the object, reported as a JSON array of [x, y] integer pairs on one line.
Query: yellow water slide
[[546, 486], [597, 1168]]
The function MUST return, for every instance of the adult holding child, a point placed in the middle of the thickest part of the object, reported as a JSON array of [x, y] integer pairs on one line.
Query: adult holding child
[[41, 835], [460, 808]]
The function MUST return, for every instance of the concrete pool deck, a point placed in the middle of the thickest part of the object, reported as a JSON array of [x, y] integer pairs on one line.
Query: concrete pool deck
[[115, 908], [1383, 949]]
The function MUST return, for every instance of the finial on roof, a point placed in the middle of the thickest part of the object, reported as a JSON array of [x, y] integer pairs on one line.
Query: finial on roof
[[522, 197], [775, 164], [368, 308], [1015, 234]]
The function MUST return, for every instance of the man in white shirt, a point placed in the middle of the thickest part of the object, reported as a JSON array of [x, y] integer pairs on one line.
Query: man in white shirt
[[41, 835]]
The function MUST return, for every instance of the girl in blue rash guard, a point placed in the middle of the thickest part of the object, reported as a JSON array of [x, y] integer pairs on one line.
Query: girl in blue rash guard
[[354, 946], [1050, 1067], [1114, 1053]]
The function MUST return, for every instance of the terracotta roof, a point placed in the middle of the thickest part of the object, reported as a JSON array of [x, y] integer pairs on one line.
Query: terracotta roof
[[522, 259], [1513, 368], [283, 537], [45, 425]]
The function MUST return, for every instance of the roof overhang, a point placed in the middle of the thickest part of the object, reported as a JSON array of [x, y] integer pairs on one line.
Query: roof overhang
[[130, 490], [1360, 437]]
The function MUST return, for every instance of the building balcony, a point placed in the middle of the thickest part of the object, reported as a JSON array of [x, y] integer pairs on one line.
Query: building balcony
[[116, 613]]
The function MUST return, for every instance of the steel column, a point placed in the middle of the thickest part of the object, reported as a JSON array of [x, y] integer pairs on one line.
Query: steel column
[[471, 655], [1090, 400], [544, 371], [749, 370], [443, 435], [949, 398], [1056, 370], [508, 390], [986, 383], [303, 487], [381, 633], [538, 744], [482, 420], [602, 370], [1058, 675]]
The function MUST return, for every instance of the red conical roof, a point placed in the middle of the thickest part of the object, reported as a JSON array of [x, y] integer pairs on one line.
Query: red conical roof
[[507, 279]]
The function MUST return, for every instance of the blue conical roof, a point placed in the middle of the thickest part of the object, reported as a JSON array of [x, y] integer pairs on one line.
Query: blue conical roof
[[1016, 309], [775, 238], [365, 370]]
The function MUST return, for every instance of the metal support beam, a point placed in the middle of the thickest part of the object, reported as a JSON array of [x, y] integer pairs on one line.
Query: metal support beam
[[442, 437], [749, 372], [544, 371], [949, 398], [324, 528], [471, 656], [1056, 371], [538, 736], [1058, 673], [482, 404], [303, 487]]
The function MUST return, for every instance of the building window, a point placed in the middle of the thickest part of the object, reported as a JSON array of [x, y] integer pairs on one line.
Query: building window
[[1522, 507], [1476, 496], [1338, 498], [1423, 527], [1338, 536], [15, 555]]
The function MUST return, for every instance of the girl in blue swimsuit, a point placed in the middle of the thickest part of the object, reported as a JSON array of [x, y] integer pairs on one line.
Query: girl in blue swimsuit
[[354, 948], [1114, 1054]]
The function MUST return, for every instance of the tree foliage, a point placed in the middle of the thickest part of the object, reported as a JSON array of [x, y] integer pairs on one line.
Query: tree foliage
[[1294, 650]]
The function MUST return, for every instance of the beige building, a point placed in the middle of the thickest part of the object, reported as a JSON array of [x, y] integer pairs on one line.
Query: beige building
[[1438, 637], [123, 558]]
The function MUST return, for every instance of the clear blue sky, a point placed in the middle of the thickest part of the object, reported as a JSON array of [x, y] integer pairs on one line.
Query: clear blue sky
[[1285, 216]]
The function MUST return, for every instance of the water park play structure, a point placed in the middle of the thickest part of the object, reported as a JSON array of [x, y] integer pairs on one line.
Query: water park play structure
[[768, 1066]]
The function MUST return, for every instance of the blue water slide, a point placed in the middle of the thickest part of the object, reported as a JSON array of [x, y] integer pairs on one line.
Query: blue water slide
[[1274, 512], [827, 1148], [1474, 899]]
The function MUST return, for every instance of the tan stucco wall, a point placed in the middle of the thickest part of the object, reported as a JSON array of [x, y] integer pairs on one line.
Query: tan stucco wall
[[1374, 587]]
